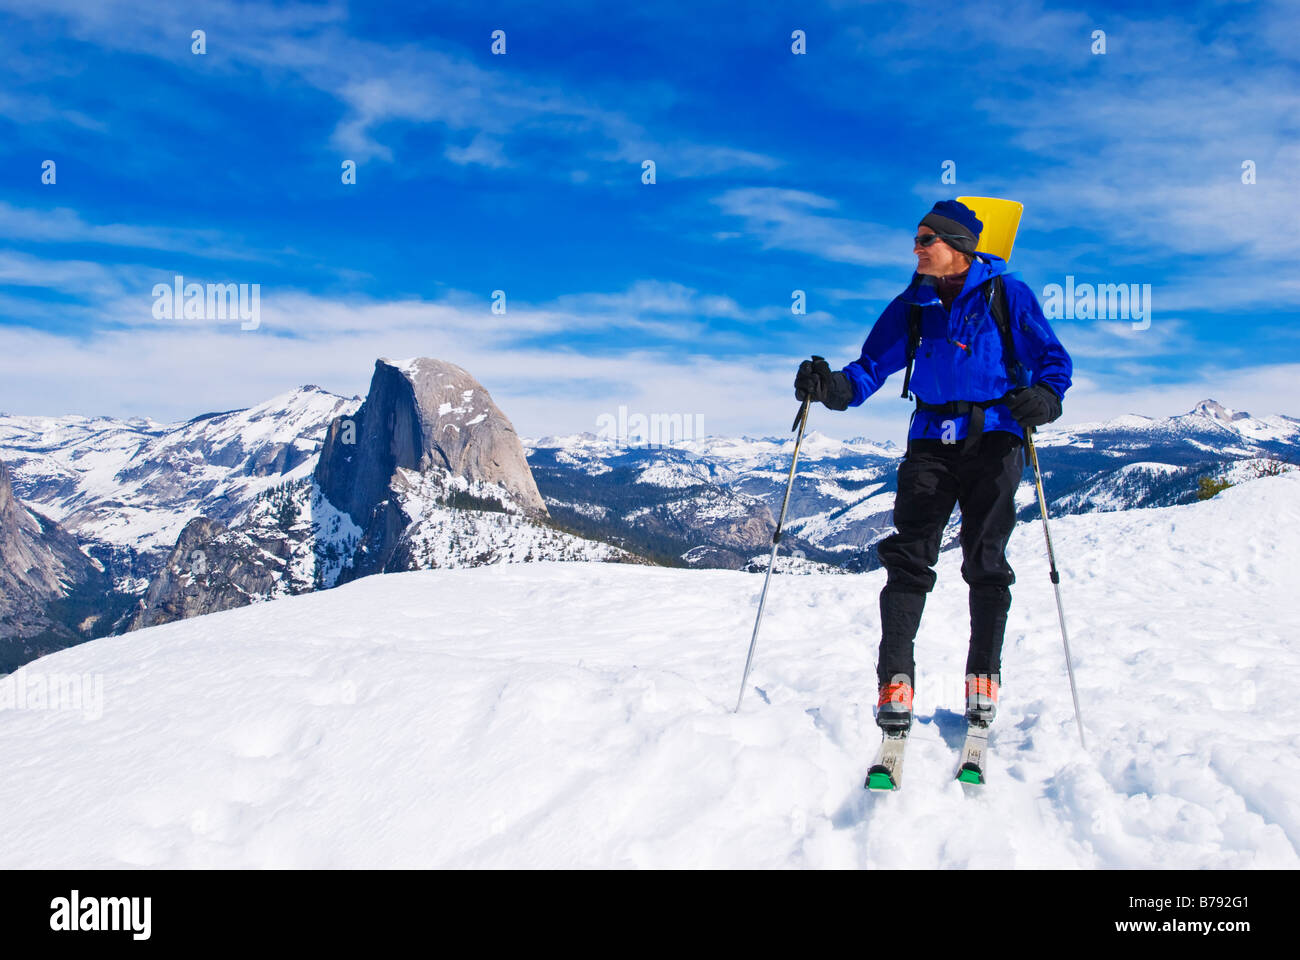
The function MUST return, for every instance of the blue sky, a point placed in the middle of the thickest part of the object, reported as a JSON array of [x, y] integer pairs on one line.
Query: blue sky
[[522, 173]]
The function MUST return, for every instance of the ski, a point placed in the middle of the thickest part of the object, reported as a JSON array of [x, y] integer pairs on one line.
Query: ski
[[971, 769], [887, 772]]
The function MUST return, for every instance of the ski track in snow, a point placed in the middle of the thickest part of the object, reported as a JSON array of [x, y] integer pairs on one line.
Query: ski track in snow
[[578, 714]]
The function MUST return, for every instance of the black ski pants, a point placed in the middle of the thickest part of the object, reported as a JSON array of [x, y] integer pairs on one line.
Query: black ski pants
[[932, 479]]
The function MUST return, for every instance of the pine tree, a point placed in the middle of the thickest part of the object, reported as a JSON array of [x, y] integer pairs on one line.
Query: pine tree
[[1207, 487]]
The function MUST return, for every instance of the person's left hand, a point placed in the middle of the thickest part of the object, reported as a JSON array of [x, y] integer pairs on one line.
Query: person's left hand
[[1036, 406]]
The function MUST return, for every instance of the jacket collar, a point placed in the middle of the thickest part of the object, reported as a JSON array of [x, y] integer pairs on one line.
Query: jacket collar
[[921, 292]]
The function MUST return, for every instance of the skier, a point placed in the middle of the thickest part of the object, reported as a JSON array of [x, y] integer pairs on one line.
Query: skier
[[965, 443]]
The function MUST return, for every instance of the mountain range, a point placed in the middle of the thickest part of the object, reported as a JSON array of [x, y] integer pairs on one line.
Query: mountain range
[[312, 489], [711, 502]]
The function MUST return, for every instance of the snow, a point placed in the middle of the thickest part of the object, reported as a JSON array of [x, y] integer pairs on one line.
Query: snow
[[1207, 418], [1147, 466], [829, 488], [579, 715], [1251, 468], [410, 367], [815, 446], [593, 466], [593, 510], [1216, 411], [1218, 449], [332, 528], [443, 536], [137, 483], [666, 473], [1026, 493], [714, 505], [1270, 428], [818, 528], [725, 455]]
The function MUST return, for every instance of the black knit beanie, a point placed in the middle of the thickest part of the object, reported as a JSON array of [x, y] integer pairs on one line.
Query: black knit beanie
[[957, 222]]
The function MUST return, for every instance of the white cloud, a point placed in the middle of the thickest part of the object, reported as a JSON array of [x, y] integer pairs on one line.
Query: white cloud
[[1141, 147], [1116, 339], [800, 221], [63, 225], [27, 108], [80, 278], [482, 150], [1263, 389], [179, 371]]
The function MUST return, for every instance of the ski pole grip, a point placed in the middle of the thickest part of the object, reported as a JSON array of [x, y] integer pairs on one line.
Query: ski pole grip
[[803, 409]]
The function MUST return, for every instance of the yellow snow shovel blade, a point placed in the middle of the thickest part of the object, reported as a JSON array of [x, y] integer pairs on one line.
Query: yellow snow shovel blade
[[1001, 218]]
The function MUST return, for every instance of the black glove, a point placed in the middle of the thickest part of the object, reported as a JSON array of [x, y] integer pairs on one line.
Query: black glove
[[1036, 406], [817, 381]]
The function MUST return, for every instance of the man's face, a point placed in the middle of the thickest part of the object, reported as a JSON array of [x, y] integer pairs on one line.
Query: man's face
[[938, 259]]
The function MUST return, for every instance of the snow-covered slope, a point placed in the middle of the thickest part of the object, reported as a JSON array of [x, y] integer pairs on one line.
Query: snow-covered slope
[[442, 536], [580, 715]]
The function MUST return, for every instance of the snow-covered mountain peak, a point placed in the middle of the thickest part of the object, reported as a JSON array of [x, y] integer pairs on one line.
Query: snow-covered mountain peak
[[1209, 425], [817, 445], [126, 488], [422, 415], [284, 418], [1217, 411]]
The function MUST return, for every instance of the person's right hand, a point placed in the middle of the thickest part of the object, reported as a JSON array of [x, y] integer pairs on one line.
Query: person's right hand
[[816, 381]]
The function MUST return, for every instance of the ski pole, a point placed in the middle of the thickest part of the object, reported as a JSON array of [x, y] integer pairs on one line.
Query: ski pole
[[800, 421], [1056, 580]]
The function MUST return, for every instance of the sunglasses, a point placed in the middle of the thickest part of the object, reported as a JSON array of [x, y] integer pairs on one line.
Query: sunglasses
[[928, 239]]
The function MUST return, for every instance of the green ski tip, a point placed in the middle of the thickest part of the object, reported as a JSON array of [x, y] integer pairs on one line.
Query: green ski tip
[[969, 775], [879, 780]]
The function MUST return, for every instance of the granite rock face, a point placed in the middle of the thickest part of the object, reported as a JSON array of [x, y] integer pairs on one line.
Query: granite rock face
[[428, 472], [41, 565], [422, 414], [433, 418], [213, 567]]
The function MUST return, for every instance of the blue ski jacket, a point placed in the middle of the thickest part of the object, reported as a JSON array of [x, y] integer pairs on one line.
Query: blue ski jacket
[[959, 356]]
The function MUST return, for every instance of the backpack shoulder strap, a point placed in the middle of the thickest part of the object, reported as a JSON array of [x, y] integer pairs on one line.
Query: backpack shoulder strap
[[913, 340], [996, 293]]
